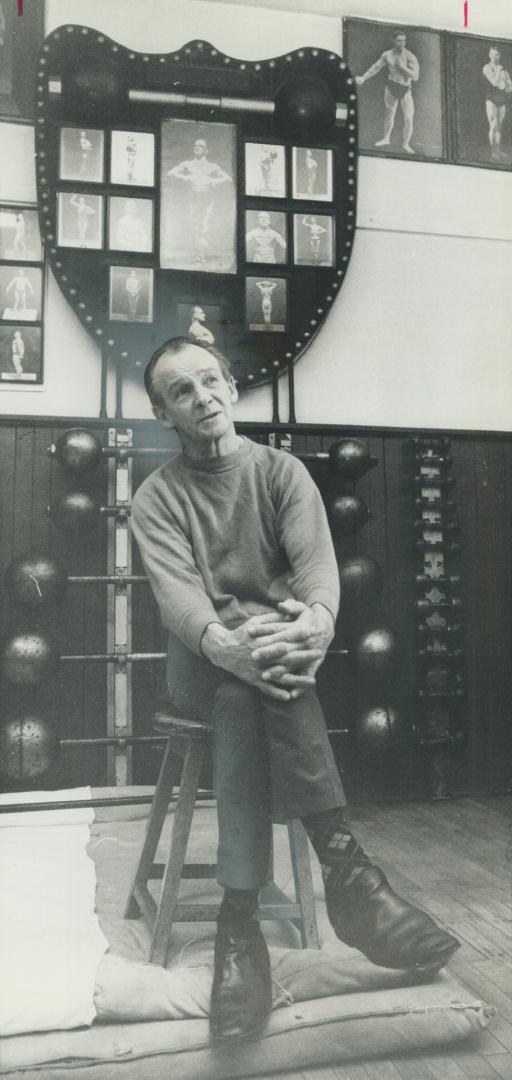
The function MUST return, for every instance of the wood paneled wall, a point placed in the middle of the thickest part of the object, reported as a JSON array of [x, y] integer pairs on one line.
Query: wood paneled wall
[[482, 468]]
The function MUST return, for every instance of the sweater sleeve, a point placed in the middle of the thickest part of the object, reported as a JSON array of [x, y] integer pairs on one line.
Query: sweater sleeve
[[304, 534], [168, 559]]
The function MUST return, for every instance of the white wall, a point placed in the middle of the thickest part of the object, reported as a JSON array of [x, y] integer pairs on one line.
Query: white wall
[[418, 335]]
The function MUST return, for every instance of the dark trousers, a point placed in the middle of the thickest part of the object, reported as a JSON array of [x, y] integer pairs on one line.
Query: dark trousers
[[272, 761]]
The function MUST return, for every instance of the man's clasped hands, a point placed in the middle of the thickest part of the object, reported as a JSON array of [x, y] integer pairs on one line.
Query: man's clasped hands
[[279, 652]]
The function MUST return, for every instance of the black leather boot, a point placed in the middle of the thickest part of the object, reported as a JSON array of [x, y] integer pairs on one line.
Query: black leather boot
[[242, 990], [369, 915]]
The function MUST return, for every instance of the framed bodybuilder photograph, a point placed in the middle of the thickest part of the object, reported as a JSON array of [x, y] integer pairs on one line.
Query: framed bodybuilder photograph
[[132, 158], [265, 170], [198, 196], [81, 154], [399, 73], [20, 239], [131, 294], [265, 236], [21, 355], [21, 289], [312, 174], [313, 240], [482, 101], [130, 224], [80, 220], [266, 304]]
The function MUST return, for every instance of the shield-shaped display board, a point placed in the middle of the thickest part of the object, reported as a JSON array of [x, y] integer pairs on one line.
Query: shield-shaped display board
[[192, 193]]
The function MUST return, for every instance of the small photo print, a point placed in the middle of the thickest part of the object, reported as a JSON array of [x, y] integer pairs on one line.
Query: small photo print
[[19, 234], [132, 158], [130, 224], [313, 240], [20, 354], [81, 155], [20, 293], [266, 304], [80, 220], [312, 174], [201, 322], [265, 237], [265, 170], [131, 294]]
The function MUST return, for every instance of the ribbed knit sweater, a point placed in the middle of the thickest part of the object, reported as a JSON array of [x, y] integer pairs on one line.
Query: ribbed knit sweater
[[225, 538]]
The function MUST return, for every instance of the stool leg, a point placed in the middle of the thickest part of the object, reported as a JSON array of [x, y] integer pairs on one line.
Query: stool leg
[[303, 879], [167, 778], [178, 848]]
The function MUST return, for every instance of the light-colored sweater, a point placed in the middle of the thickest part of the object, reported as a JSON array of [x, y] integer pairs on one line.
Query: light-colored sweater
[[225, 538]]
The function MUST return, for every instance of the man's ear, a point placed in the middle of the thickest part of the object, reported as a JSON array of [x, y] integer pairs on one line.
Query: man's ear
[[161, 415], [233, 390]]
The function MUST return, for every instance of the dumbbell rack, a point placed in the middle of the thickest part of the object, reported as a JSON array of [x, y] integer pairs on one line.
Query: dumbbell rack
[[439, 683], [119, 606]]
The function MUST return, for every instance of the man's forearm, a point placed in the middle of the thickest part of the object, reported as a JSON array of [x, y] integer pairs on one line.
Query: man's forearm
[[214, 643], [325, 613]]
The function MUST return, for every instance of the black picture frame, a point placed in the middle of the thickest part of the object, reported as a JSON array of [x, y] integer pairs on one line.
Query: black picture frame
[[480, 110], [81, 154], [266, 174], [131, 224], [202, 322], [367, 42], [314, 240], [266, 303], [20, 239], [312, 174], [21, 293], [132, 158], [266, 236], [132, 303], [198, 219], [23, 366], [80, 220], [23, 36]]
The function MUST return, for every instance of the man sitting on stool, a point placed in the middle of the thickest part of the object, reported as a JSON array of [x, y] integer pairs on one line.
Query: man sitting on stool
[[236, 545]]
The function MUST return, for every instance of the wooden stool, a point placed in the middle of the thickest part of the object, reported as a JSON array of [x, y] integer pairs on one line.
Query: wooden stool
[[160, 917]]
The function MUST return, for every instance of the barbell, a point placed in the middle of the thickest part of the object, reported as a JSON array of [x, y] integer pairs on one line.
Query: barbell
[[80, 451]]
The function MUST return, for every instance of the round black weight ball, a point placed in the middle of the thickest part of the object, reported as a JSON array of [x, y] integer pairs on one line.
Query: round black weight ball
[[376, 654], [347, 514], [78, 450], [350, 459], [304, 107], [28, 748], [75, 513], [27, 658], [379, 730], [35, 581], [361, 580]]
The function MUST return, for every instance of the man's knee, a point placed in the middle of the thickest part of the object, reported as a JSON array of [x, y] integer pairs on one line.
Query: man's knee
[[236, 718]]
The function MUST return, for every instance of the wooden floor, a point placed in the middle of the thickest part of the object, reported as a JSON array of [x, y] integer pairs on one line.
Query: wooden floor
[[453, 858]]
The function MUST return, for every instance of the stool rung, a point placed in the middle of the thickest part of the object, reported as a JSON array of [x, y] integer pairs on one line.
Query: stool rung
[[190, 870], [280, 911], [199, 870], [184, 912], [195, 912]]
